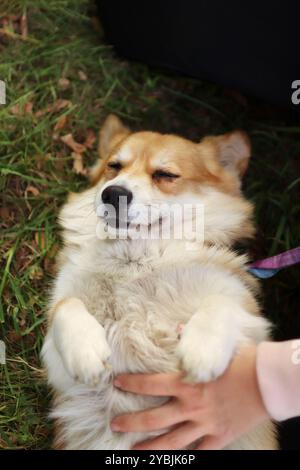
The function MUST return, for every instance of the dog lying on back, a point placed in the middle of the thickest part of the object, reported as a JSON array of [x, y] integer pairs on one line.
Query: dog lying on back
[[118, 298]]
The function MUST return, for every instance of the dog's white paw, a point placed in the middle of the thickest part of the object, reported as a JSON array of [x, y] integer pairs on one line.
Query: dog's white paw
[[81, 342], [86, 357], [203, 354]]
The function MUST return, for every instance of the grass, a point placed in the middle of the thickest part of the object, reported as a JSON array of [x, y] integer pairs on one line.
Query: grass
[[36, 174]]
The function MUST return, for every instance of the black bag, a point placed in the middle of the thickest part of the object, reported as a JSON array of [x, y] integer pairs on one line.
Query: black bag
[[251, 46]]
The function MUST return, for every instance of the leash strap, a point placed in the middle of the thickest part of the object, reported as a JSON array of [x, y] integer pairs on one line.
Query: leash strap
[[268, 267]]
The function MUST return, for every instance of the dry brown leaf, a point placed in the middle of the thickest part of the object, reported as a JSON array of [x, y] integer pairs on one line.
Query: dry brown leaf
[[24, 26], [49, 265], [63, 83], [60, 123], [40, 113], [8, 24], [4, 22], [8, 18], [82, 76], [24, 257], [28, 108], [33, 190], [78, 166], [4, 213], [61, 104], [58, 105], [22, 109], [13, 336], [90, 139], [70, 142], [15, 110]]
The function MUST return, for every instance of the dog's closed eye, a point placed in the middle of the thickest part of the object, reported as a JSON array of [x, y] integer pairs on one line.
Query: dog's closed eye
[[115, 165], [165, 175]]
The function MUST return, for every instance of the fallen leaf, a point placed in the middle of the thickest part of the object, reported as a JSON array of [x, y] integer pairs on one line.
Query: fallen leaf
[[49, 266], [33, 190], [90, 139], [82, 76], [24, 258], [4, 213], [24, 26], [78, 166], [63, 83], [58, 105], [61, 104], [60, 123], [70, 142], [13, 336], [15, 110], [8, 18], [22, 109], [28, 108], [7, 26]]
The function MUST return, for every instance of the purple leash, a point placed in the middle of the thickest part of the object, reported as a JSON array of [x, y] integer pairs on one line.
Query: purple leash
[[267, 267]]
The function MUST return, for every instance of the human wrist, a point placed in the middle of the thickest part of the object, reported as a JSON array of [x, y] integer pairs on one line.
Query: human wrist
[[247, 362], [278, 377]]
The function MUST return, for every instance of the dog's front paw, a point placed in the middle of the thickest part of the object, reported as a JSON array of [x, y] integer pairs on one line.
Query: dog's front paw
[[203, 354], [86, 357], [83, 348]]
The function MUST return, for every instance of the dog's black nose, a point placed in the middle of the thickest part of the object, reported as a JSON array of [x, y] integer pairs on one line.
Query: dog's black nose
[[112, 194]]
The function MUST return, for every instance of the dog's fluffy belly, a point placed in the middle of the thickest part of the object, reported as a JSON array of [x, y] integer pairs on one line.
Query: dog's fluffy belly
[[140, 310], [84, 414]]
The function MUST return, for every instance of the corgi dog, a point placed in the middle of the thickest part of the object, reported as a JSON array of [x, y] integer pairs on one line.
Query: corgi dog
[[119, 298]]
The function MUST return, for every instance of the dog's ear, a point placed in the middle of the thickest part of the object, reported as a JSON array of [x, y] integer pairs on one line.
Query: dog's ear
[[232, 151], [111, 133]]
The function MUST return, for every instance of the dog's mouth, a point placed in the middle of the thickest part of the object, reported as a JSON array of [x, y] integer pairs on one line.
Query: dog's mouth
[[129, 220], [130, 223], [116, 223], [142, 223]]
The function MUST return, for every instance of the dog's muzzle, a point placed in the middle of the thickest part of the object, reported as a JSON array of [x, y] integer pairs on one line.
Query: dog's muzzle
[[117, 200]]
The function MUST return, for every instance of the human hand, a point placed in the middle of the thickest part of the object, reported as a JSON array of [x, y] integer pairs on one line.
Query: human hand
[[219, 411]]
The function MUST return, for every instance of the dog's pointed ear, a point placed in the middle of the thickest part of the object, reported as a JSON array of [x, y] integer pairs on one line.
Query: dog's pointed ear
[[231, 151], [234, 151], [111, 133]]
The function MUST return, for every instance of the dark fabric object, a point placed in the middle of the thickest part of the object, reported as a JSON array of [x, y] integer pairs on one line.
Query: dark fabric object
[[251, 46]]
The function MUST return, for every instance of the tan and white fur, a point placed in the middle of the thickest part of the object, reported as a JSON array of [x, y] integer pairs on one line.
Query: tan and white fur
[[116, 304]]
